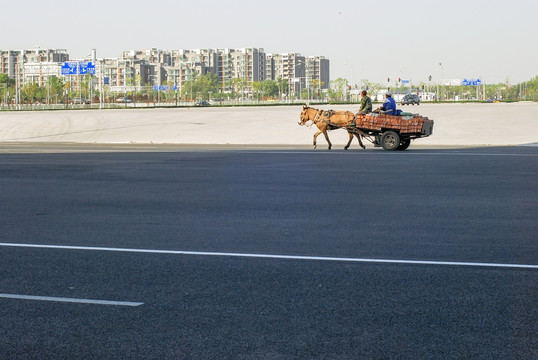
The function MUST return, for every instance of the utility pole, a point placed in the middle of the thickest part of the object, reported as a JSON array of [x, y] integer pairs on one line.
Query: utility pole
[[20, 72]]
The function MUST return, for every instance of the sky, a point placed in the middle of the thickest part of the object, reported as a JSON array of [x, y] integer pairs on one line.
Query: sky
[[364, 40]]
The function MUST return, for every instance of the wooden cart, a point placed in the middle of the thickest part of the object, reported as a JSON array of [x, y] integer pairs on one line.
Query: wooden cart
[[392, 132]]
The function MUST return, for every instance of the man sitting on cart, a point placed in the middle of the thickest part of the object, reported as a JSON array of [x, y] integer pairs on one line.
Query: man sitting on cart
[[365, 104], [389, 105]]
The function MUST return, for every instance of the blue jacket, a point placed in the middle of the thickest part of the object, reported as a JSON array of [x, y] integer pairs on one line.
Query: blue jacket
[[390, 105]]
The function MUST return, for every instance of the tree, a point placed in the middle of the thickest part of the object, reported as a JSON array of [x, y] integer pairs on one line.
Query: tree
[[316, 87], [205, 84], [269, 88], [338, 89], [238, 85], [4, 79], [7, 87], [187, 89], [29, 92], [531, 88], [372, 88], [56, 86], [256, 88], [283, 86]]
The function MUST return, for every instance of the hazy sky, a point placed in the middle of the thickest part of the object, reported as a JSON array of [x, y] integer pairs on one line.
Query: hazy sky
[[373, 40]]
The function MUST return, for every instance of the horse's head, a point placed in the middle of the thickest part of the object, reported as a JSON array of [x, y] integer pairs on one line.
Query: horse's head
[[307, 114]]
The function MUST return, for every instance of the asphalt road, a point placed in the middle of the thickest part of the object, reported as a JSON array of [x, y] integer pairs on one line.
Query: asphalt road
[[270, 254]]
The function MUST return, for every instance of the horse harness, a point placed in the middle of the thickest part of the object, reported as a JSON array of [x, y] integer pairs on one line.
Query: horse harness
[[325, 117]]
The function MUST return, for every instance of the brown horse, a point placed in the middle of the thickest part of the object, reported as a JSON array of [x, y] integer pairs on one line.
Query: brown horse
[[329, 120]]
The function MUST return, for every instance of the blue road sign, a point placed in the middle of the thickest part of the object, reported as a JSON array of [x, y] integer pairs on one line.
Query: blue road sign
[[86, 67], [471, 82], [69, 68], [74, 68], [164, 87]]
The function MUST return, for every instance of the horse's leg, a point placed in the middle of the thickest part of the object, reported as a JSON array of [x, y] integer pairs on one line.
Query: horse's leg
[[315, 137], [322, 129], [350, 139], [328, 141], [360, 141]]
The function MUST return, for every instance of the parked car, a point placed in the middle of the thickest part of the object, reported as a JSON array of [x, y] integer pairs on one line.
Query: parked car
[[79, 101], [123, 100], [411, 99], [201, 103]]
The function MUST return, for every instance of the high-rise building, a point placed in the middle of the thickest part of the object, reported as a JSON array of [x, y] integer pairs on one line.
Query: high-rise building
[[235, 69], [12, 61]]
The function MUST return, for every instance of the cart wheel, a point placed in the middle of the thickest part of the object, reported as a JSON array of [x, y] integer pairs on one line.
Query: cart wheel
[[390, 140], [404, 144]]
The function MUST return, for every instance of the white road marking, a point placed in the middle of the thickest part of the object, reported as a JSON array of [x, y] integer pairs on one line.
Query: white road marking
[[282, 257], [354, 152], [70, 300]]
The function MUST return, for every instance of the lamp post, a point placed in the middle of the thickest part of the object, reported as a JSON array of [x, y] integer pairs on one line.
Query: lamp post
[[18, 82], [297, 63], [158, 88], [101, 85], [442, 70], [175, 86]]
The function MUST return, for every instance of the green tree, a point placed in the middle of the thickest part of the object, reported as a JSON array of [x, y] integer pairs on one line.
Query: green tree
[[338, 89], [7, 87], [4, 79], [238, 86], [531, 89], [56, 87], [269, 88], [256, 89], [283, 86], [188, 90], [29, 92], [205, 84], [316, 88]]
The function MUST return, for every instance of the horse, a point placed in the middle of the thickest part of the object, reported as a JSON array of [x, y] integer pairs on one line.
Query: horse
[[329, 120]]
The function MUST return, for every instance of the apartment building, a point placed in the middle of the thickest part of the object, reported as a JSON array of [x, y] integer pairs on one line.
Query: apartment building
[[32, 66], [317, 73], [247, 64], [187, 64], [12, 61], [39, 72], [178, 67], [290, 67], [136, 69]]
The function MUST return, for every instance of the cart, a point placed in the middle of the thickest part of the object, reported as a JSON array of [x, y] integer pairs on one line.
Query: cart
[[391, 132]]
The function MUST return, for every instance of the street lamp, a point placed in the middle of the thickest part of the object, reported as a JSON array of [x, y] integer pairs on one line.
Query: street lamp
[[297, 63], [158, 91], [441, 66]]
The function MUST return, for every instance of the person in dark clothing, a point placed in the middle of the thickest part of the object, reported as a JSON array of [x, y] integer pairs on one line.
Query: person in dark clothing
[[365, 104]]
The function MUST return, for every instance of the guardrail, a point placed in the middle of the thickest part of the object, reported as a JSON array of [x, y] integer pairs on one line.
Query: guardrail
[[144, 105], [138, 105]]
